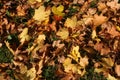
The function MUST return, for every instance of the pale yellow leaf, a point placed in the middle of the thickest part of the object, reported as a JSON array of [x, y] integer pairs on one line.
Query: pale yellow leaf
[[84, 61], [71, 22], [63, 33], [69, 67], [23, 69], [94, 35], [41, 38], [31, 73], [41, 14], [110, 77], [39, 0], [24, 35]]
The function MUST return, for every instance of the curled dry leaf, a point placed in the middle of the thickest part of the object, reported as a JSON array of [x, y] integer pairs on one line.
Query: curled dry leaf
[[57, 44]]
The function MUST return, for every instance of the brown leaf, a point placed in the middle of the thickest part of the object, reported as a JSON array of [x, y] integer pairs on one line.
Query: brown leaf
[[117, 69], [99, 19], [113, 32]]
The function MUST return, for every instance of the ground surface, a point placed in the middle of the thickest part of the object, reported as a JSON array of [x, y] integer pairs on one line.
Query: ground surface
[[59, 40]]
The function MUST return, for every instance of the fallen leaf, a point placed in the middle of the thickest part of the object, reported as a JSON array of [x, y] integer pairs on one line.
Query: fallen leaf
[[110, 77], [69, 67], [58, 10], [57, 44], [112, 31], [24, 36], [94, 35], [63, 33], [39, 0], [113, 4], [84, 61], [117, 69], [75, 54], [31, 73], [101, 6], [41, 14], [71, 22], [99, 19], [107, 62]]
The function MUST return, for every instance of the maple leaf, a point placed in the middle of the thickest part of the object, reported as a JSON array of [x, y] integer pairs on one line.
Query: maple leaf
[[113, 4], [24, 36], [84, 61], [58, 10], [63, 33], [71, 22], [69, 67], [75, 54], [31, 73], [101, 6], [113, 31], [41, 14], [99, 19]]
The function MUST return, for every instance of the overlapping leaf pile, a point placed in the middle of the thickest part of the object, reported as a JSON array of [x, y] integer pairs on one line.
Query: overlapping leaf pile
[[60, 39]]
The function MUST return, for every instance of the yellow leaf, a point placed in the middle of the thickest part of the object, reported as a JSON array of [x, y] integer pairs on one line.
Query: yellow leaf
[[71, 22], [24, 36], [40, 38], [63, 33], [41, 15], [94, 35], [58, 10], [111, 77], [107, 62], [23, 69], [75, 54], [31, 73], [39, 0], [38, 43], [69, 67], [118, 28]]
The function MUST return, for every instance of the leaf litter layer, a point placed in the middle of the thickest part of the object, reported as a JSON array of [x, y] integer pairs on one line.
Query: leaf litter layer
[[60, 39]]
